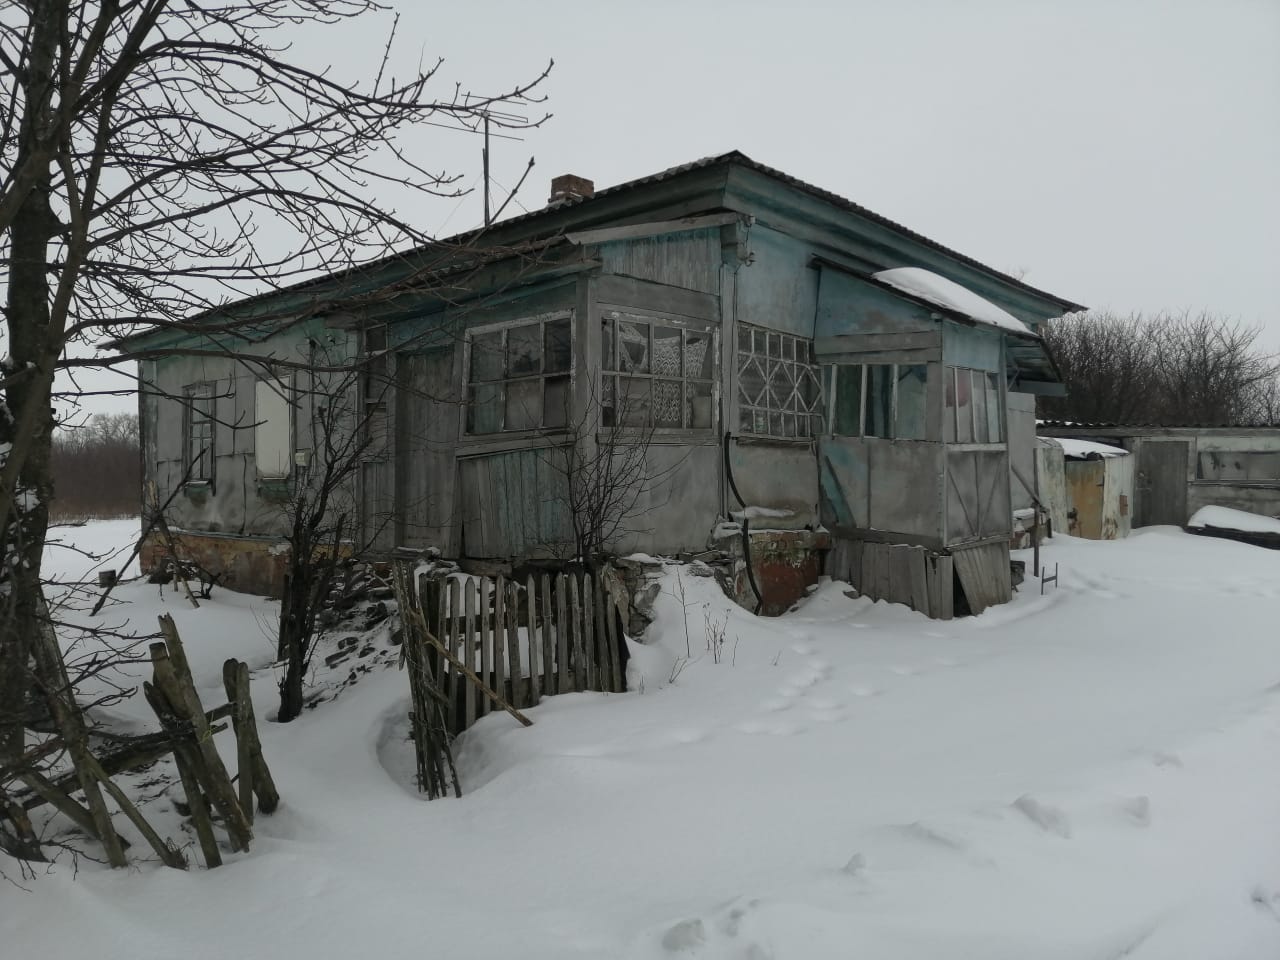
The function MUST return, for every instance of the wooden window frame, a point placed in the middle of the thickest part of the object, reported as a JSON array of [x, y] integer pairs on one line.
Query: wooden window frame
[[796, 408], [502, 383]]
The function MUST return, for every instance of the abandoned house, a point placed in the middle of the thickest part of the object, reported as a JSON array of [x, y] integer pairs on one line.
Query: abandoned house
[[802, 380], [1178, 470]]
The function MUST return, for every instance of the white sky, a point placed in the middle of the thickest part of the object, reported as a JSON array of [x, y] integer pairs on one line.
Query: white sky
[[1121, 154]]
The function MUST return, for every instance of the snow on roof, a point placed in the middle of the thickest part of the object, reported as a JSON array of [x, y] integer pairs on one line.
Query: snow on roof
[[950, 295], [1085, 449], [1225, 518]]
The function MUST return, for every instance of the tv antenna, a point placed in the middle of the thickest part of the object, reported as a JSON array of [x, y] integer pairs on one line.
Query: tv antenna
[[486, 118]]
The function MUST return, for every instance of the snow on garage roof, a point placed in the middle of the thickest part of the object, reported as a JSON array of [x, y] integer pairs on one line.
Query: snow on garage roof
[[1085, 449], [950, 295]]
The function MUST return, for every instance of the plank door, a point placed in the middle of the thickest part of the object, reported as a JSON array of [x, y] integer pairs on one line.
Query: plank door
[[1162, 482], [426, 436]]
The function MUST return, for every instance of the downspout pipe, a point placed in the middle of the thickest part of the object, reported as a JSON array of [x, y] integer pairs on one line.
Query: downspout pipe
[[746, 526]]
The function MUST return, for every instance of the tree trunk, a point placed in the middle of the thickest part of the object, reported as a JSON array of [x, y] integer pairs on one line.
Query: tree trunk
[[26, 422]]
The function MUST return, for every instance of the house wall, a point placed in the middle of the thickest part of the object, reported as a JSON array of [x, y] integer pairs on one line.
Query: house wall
[[1022, 449], [246, 513]]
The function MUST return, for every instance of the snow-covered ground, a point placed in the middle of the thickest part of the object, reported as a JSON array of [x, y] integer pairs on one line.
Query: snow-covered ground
[[1090, 774]]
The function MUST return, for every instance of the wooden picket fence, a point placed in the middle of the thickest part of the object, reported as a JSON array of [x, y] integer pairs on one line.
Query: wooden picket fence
[[524, 639]]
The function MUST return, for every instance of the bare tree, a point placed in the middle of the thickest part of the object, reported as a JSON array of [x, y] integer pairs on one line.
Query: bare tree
[[1168, 369], [96, 466], [144, 144], [608, 477]]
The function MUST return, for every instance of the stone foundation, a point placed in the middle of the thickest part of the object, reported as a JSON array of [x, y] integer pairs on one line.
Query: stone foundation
[[246, 564]]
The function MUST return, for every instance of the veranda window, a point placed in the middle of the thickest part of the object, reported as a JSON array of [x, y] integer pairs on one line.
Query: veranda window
[[656, 373], [974, 409], [884, 400], [779, 394], [518, 376]]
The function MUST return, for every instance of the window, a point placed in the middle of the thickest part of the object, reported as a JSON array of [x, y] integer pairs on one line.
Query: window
[[974, 407], [374, 387], [656, 373], [884, 400], [779, 394], [272, 430], [518, 376], [198, 453]]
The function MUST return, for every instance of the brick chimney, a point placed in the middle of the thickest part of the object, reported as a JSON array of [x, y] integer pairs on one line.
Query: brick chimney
[[569, 187]]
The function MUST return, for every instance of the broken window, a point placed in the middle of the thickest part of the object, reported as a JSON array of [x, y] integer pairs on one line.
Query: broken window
[[518, 376], [198, 459], [974, 407], [272, 429], [882, 400], [779, 393], [656, 373]]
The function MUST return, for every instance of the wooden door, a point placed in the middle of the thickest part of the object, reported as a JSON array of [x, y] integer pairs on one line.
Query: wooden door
[[1161, 485], [426, 436]]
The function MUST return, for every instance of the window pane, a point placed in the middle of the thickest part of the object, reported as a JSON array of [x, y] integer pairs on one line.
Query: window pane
[[666, 351], [486, 357], [979, 407], [780, 386], [848, 400], [751, 383], [634, 401], [878, 421], [484, 411], [697, 355], [964, 406], [775, 345], [911, 401], [524, 350], [608, 387], [667, 406], [995, 424], [272, 443], [523, 407], [556, 346], [607, 360], [633, 346], [555, 408], [699, 404]]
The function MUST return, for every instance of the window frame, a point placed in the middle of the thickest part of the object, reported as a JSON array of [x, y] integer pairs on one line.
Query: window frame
[[199, 470], [467, 434], [950, 430], [611, 368], [284, 387], [817, 416], [833, 385]]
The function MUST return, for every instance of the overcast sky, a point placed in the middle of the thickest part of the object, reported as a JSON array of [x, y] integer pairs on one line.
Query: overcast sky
[[1120, 154]]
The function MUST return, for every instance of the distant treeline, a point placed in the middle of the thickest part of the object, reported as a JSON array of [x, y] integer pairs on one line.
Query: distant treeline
[[97, 468], [1168, 369]]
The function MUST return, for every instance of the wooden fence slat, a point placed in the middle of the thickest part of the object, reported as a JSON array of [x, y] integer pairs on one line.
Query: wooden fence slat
[[469, 647], [486, 646], [588, 630], [499, 631], [575, 638], [454, 646], [919, 583], [548, 636], [615, 641], [603, 674], [518, 696], [535, 661], [563, 683]]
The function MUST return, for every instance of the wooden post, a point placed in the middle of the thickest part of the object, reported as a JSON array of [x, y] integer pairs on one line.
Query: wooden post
[[499, 633], [603, 674], [486, 643], [173, 676], [563, 683], [535, 662], [548, 636], [244, 755], [469, 648], [575, 622], [588, 629], [513, 645]]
